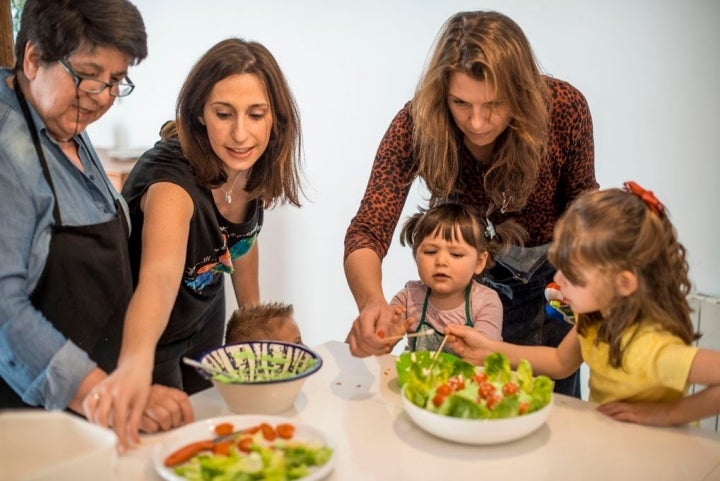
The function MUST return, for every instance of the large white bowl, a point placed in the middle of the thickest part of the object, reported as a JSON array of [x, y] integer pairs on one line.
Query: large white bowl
[[476, 431], [39, 445], [291, 364]]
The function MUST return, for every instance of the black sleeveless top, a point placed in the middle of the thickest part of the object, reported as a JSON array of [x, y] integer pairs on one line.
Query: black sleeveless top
[[212, 243]]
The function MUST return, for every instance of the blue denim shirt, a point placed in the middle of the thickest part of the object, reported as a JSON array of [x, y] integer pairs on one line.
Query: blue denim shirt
[[35, 359]]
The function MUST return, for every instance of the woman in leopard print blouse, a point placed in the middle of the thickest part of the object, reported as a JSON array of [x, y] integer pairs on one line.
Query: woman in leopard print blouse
[[487, 128]]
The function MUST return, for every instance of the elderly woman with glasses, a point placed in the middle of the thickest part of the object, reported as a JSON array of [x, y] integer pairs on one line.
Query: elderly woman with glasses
[[65, 279]]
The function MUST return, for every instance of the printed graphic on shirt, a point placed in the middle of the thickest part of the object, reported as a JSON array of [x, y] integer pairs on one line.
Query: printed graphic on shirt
[[204, 273]]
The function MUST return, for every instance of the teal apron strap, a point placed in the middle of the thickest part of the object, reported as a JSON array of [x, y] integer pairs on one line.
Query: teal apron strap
[[468, 318], [424, 310]]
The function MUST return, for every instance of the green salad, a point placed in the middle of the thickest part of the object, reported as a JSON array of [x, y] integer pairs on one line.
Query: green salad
[[456, 388], [264, 368], [276, 460]]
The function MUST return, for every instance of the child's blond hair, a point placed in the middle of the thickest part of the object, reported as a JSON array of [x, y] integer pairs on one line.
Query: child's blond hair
[[257, 322]]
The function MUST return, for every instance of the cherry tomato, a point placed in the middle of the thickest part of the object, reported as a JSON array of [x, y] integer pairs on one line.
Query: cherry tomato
[[444, 389], [486, 390], [438, 400], [523, 408], [480, 377], [493, 400], [223, 429], [285, 430], [510, 388], [245, 443], [222, 448], [268, 432]]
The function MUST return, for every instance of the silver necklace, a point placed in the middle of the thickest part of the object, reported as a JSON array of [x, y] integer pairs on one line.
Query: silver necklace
[[228, 196]]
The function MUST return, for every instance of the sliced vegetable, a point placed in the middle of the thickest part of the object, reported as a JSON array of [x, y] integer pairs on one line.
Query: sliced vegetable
[[456, 388], [261, 452], [186, 452]]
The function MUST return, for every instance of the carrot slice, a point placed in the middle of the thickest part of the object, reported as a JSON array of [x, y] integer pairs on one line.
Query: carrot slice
[[186, 452]]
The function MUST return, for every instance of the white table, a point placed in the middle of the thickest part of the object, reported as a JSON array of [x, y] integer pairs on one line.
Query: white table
[[356, 402]]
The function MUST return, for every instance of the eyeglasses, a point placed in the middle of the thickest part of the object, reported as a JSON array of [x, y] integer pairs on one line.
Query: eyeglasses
[[94, 86]]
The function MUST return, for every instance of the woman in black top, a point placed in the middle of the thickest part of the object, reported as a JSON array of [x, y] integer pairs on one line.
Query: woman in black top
[[196, 202]]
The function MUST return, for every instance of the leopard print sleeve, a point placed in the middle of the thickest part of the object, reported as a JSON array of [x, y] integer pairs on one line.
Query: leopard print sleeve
[[391, 176], [572, 122]]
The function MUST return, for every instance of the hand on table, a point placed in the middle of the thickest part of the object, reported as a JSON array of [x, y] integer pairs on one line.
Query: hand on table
[[651, 414], [119, 401], [166, 408], [127, 402]]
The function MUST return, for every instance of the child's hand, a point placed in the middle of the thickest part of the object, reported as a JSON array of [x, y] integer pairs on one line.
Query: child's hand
[[651, 414], [397, 328], [468, 343]]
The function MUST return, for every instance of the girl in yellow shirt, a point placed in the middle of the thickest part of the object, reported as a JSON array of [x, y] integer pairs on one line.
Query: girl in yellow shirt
[[625, 276]]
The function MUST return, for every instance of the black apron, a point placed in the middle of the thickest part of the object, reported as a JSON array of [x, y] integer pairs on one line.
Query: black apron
[[86, 284]]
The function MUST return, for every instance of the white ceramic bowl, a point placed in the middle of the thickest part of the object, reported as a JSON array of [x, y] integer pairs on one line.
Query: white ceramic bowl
[[476, 431], [273, 373], [39, 445]]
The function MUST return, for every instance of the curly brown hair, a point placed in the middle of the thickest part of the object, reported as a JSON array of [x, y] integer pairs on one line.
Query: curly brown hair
[[487, 46], [613, 231]]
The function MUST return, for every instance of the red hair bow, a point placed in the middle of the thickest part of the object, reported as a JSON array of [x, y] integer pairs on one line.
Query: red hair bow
[[647, 196]]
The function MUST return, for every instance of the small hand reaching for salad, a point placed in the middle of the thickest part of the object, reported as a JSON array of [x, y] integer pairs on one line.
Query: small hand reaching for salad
[[397, 329], [469, 343]]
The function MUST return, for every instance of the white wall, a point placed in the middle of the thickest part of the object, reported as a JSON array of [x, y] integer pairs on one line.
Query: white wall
[[649, 69]]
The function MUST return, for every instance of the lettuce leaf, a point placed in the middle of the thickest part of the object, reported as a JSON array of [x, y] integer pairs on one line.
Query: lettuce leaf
[[416, 365], [497, 367]]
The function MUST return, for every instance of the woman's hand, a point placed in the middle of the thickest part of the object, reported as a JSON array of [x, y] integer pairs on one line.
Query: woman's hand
[[119, 401], [468, 343], [366, 337], [166, 408], [132, 406]]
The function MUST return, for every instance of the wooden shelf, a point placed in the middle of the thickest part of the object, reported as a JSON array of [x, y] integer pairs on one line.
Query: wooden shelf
[[119, 163]]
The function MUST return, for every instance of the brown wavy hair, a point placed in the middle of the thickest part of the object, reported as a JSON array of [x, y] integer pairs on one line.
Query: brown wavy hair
[[613, 231], [454, 221], [275, 177], [487, 46]]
